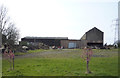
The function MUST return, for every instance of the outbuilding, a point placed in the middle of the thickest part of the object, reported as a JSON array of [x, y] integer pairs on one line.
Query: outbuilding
[[93, 38]]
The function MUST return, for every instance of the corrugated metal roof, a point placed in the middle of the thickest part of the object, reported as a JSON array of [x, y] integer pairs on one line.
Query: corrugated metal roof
[[45, 37]]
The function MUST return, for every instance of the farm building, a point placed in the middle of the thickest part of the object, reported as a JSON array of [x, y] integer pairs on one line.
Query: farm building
[[70, 43], [92, 38], [50, 41]]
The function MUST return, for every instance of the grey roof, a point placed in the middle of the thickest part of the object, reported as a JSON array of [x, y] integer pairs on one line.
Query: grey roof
[[93, 29], [84, 36], [46, 37]]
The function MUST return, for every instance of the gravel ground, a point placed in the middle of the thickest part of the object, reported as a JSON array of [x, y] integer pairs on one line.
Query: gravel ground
[[65, 53], [46, 53]]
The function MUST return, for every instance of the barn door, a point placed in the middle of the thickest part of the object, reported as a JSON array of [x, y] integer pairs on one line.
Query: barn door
[[72, 45]]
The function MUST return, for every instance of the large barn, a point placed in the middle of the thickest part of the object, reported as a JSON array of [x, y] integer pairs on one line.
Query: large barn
[[92, 38]]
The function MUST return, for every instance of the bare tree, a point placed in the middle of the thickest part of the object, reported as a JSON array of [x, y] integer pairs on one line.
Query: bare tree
[[3, 18], [10, 33]]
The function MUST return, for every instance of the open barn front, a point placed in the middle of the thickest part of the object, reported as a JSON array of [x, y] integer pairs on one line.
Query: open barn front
[[95, 45]]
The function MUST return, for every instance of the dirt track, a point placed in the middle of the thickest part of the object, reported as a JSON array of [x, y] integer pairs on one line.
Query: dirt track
[[47, 53], [66, 53]]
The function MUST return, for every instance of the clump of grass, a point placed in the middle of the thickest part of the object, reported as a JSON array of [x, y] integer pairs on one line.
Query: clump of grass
[[37, 50]]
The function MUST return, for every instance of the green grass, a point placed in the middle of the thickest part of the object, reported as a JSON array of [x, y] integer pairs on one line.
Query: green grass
[[29, 51], [34, 51], [67, 64], [105, 50]]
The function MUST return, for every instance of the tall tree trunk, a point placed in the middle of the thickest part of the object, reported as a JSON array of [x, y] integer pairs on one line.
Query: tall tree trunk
[[87, 67], [13, 63], [88, 71]]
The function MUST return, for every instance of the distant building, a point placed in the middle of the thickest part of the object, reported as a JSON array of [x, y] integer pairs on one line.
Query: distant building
[[92, 38], [50, 41], [70, 43]]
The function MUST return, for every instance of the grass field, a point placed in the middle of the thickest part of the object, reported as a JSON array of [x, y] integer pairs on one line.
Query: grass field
[[28, 52], [64, 63]]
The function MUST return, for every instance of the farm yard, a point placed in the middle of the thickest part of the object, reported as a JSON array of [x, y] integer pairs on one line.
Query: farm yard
[[66, 62]]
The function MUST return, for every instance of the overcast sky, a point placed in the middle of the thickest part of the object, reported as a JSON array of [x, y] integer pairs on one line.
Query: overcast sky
[[63, 18]]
